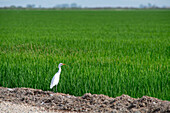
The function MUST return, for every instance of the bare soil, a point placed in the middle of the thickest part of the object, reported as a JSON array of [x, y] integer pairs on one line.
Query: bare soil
[[51, 102]]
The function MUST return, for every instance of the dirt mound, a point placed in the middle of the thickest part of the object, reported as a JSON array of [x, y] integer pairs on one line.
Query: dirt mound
[[86, 103]]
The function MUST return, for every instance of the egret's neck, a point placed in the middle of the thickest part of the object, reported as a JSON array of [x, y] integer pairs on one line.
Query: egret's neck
[[59, 69]]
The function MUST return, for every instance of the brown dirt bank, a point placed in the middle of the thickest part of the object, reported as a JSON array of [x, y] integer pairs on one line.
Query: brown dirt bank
[[87, 103]]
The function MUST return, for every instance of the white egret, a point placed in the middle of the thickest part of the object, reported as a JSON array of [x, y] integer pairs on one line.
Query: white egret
[[56, 77]]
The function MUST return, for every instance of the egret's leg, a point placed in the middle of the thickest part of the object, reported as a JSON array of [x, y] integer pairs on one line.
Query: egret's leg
[[56, 88]]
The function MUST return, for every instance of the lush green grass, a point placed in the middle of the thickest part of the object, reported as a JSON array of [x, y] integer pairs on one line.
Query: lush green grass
[[106, 52]]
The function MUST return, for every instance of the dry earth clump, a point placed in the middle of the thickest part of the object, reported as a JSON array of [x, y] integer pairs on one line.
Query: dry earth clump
[[87, 103]]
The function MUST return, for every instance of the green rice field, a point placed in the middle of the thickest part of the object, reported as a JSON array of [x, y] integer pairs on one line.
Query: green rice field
[[105, 51]]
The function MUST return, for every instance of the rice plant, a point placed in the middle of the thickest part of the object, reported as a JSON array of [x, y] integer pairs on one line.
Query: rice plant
[[106, 52]]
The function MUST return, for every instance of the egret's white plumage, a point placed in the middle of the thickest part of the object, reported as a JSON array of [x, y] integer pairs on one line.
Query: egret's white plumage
[[56, 77]]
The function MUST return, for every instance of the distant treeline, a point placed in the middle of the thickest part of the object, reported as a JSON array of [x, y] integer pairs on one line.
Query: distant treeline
[[76, 6], [86, 8]]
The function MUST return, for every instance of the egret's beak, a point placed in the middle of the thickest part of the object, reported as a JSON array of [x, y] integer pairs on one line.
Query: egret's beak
[[64, 64]]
